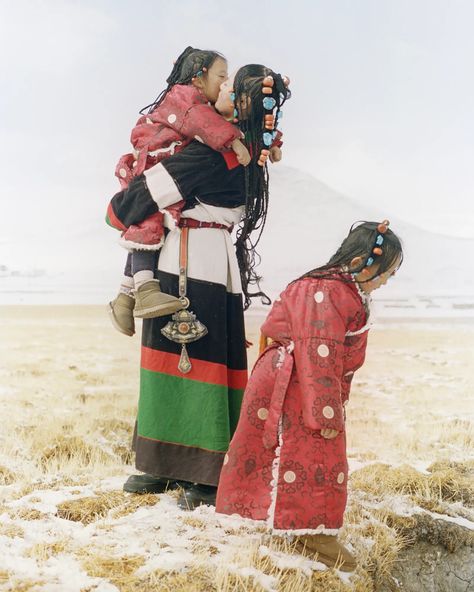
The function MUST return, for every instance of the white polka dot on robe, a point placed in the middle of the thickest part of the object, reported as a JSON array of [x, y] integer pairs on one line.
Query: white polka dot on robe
[[319, 297], [328, 412], [323, 350]]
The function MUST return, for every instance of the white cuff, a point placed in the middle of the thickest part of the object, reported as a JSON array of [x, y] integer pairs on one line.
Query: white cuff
[[161, 186]]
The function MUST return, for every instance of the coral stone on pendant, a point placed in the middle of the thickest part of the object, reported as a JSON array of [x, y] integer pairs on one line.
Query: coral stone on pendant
[[171, 118], [328, 412], [323, 350], [262, 413], [319, 297], [289, 476], [183, 327]]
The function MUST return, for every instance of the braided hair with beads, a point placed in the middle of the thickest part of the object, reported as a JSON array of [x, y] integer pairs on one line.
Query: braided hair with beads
[[250, 111], [191, 63], [373, 242]]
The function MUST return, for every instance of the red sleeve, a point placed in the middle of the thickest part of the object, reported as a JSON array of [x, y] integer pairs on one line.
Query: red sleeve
[[203, 123], [319, 313]]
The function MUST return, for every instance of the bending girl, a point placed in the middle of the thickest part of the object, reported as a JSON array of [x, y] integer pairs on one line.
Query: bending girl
[[287, 461]]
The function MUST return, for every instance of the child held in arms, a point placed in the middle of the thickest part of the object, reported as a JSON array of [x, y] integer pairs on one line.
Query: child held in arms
[[183, 112]]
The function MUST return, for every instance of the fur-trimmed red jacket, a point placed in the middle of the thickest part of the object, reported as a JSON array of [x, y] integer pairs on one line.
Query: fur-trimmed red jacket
[[279, 467], [184, 115]]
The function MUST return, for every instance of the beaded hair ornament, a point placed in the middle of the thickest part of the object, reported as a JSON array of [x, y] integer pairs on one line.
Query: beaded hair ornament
[[271, 121], [376, 249]]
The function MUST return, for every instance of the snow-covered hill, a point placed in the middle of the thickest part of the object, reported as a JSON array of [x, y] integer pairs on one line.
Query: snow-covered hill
[[306, 222]]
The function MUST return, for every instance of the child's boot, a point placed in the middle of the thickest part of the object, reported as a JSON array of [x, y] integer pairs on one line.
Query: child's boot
[[121, 314], [330, 551], [151, 302]]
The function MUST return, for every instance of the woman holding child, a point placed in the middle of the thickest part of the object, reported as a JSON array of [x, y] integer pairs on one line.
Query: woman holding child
[[190, 396]]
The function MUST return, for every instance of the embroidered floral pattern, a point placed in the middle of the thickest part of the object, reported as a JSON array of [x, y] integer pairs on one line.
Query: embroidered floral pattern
[[310, 491]]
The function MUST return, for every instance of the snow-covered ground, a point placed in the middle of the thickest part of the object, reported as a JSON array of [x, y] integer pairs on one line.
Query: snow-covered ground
[[68, 389]]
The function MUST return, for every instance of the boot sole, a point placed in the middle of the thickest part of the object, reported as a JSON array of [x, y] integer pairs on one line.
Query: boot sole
[[116, 324], [156, 311], [327, 560]]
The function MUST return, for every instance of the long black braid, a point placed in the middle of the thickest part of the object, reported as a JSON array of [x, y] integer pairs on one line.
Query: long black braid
[[186, 67], [250, 110], [360, 242]]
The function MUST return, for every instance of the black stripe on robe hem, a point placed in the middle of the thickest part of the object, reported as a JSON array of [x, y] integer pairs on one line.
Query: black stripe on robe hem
[[177, 462]]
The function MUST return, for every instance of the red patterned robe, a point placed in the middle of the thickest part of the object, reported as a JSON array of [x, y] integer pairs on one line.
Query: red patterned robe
[[279, 468]]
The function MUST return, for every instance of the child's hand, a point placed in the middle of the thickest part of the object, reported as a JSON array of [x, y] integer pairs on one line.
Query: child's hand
[[329, 434], [275, 154], [243, 155]]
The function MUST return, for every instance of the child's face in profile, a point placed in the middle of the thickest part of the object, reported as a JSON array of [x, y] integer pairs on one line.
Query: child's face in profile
[[212, 79], [380, 280]]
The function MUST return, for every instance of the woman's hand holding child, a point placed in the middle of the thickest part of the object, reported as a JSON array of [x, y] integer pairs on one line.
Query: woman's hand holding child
[[241, 152]]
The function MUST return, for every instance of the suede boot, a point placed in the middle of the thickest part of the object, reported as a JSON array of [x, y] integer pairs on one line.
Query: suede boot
[[329, 551], [121, 314], [151, 302]]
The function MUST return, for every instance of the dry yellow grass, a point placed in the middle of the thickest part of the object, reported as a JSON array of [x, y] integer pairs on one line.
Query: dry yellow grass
[[11, 530], [7, 477], [88, 374], [118, 570], [43, 551], [92, 508], [447, 482], [20, 585], [25, 513], [65, 448]]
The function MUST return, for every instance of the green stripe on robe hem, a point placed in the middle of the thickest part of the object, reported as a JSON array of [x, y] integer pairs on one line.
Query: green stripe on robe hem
[[163, 398]]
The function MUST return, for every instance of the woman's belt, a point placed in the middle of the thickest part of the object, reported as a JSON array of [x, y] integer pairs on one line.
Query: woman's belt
[[191, 223]]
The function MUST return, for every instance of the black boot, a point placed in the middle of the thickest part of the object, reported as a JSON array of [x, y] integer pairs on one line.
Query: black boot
[[149, 484], [197, 495]]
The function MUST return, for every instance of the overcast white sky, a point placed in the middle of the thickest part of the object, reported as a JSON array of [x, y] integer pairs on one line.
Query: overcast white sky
[[382, 105]]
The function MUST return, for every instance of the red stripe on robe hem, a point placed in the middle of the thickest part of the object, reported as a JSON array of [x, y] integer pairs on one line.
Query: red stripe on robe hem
[[112, 219], [202, 371]]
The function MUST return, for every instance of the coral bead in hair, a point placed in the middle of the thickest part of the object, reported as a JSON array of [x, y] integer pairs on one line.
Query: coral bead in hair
[[268, 81], [286, 81], [377, 251], [267, 90], [263, 157], [382, 228], [269, 122]]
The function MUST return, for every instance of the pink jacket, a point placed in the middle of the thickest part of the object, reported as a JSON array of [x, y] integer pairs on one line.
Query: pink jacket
[[183, 116]]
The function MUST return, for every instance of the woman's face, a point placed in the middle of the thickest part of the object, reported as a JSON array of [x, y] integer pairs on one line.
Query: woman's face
[[224, 103]]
